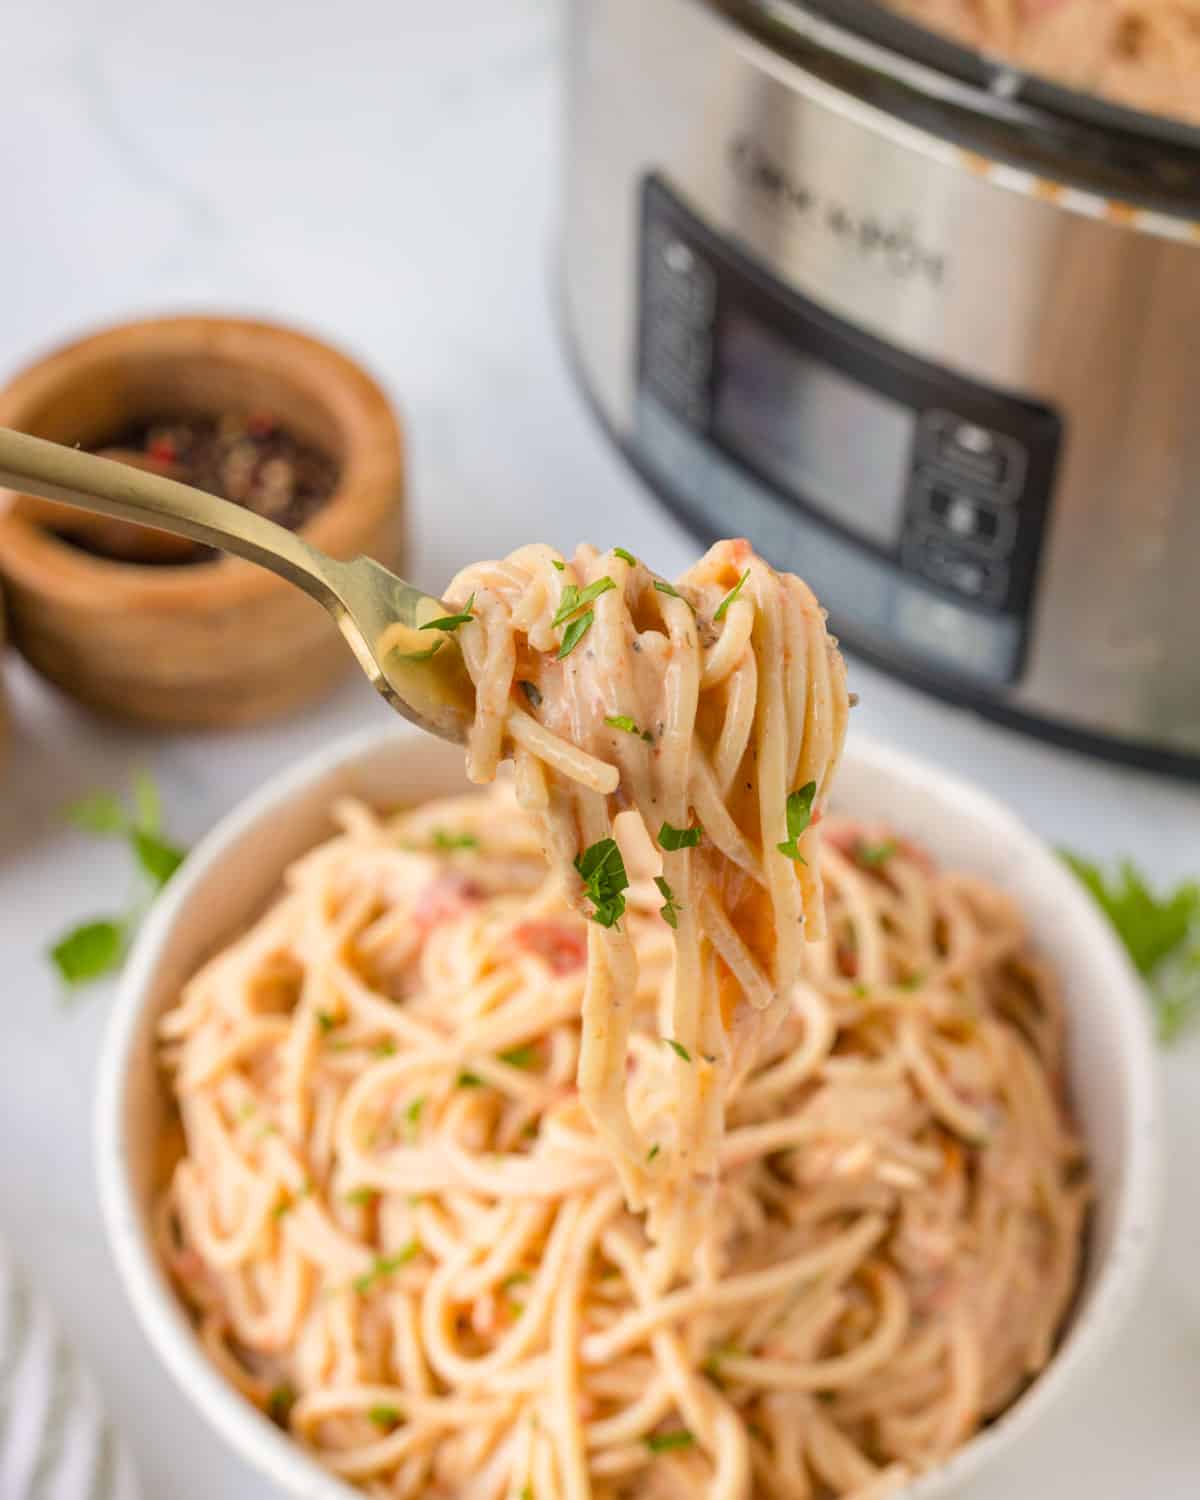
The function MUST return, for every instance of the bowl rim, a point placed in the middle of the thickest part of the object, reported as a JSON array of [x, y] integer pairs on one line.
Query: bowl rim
[[370, 485], [266, 1448]]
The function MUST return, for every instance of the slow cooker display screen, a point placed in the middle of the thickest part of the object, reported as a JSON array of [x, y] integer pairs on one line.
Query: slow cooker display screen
[[844, 448]]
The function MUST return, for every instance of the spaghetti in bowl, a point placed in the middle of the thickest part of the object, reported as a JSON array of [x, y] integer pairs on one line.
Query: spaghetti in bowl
[[232, 880]]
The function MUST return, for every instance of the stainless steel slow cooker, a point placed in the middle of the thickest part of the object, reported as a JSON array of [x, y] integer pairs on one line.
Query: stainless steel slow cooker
[[926, 329]]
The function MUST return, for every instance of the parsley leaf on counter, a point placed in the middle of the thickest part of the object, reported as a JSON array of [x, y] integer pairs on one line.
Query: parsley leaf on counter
[[89, 952], [97, 948], [102, 812], [1161, 935], [157, 858]]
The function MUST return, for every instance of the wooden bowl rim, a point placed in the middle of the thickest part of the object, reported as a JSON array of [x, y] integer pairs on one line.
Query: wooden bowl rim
[[369, 489]]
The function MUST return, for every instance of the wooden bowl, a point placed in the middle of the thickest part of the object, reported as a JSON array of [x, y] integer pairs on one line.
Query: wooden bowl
[[4, 718], [212, 643]]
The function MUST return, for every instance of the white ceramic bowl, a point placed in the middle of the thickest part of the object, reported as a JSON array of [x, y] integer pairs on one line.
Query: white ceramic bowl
[[232, 875]]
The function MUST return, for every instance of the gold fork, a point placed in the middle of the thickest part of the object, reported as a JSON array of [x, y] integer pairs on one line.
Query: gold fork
[[388, 623]]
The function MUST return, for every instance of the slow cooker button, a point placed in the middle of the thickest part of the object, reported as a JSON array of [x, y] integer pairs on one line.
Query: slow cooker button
[[965, 517], [952, 567], [991, 459]]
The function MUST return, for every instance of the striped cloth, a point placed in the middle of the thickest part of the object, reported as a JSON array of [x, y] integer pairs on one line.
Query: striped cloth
[[55, 1440]]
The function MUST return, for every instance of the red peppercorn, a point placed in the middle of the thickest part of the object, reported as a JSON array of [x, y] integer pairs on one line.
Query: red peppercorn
[[162, 450]]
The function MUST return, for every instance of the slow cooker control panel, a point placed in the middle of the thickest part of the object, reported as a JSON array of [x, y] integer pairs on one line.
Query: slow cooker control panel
[[913, 500]]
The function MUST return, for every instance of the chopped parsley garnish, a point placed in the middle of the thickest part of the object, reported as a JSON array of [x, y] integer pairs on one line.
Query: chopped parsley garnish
[[531, 692], [325, 1021], [1161, 935], [362, 1197], [384, 1265], [712, 1364], [858, 989], [719, 612], [799, 816], [444, 840], [521, 1057], [280, 1402], [386, 1048], [669, 1442], [911, 981], [527, 1492], [412, 1116], [874, 856], [286, 1204], [466, 1080], [623, 721], [625, 556], [559, 565], [574, 598], [652, 1153], [669, 911], [518, 1278], [450, 623], [669, 588], [671, 838], [678, 1048], [602, 871], [97, 948], [575, 632], [383, 1416]]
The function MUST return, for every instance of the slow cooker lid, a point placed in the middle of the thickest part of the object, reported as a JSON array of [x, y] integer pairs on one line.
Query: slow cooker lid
[[982, 100]]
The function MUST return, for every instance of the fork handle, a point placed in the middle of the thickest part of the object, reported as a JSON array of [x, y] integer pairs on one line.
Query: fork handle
[[53, 471]]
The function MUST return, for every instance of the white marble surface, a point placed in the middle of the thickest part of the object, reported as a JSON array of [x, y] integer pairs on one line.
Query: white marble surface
[[383, 171]]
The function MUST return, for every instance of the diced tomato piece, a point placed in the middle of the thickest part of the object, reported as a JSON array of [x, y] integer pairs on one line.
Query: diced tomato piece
[[563, 948], [260, 424], [445, 898], [844, 840]]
